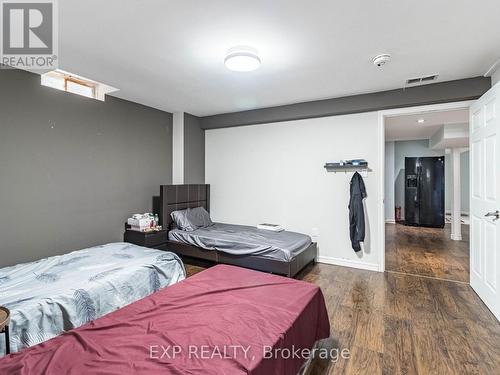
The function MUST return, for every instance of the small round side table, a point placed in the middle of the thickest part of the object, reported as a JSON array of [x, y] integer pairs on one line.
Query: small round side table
[[4, 326]]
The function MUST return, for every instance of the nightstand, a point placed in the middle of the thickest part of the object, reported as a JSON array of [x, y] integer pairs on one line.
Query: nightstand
[[146, 239], [4, 326]]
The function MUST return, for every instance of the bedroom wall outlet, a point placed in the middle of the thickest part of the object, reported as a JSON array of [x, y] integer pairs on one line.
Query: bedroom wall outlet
[[315, 234]]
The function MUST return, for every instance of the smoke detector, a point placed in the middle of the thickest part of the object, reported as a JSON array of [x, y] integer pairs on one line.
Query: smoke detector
[[381, 60]]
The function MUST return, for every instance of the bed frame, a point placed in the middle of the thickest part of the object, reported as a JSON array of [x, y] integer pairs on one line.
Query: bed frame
[[180, 197]]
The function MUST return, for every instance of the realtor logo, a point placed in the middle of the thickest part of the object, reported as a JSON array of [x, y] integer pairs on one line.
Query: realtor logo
[[29, 34]]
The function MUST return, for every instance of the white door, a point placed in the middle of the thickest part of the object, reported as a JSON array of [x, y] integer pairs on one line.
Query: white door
[[485, 198]]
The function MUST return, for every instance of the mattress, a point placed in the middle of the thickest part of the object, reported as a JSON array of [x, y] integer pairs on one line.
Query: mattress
[[244, 240], [224, 320], [59, 293]]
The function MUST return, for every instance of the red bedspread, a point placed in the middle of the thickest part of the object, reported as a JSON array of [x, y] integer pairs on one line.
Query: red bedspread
[[216, 322]]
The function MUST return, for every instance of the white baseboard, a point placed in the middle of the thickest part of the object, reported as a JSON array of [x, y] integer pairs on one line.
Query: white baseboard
[[349, 263], [390, 221]]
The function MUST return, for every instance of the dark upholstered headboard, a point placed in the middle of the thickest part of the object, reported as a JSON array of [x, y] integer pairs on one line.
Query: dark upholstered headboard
[[180, 197]]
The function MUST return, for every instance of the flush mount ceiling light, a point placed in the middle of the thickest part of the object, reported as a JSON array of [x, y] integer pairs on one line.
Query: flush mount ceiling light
[[242, 59], [421, 120]]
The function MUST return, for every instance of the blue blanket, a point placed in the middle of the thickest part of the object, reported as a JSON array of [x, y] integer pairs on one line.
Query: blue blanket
[[59, 293]]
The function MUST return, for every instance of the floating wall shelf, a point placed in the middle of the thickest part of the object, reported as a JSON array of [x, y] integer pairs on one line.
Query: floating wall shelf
[[338, 167]]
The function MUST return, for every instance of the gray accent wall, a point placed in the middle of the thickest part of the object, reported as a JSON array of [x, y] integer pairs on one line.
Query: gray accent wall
[[194, 150], [72, 169], [443, 92]]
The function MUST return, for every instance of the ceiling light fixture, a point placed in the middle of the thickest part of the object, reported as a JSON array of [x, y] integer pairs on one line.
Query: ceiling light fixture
[[421, 120], [242, 59]]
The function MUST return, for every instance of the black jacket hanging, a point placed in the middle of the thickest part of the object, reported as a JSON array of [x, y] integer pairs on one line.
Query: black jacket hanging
[[356, 212]]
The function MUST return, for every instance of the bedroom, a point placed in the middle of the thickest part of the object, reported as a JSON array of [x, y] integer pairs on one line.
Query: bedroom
[[249, 148]]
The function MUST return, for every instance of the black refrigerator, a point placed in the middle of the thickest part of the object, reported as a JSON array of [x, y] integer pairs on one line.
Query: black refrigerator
[[424, 191]]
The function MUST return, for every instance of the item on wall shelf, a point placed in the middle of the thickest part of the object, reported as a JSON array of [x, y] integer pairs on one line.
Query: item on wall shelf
[[360, 162], [146, 222], [360, 165], [271, 227]]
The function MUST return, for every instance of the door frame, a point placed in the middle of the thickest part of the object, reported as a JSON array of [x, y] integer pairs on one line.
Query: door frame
[[382, 115]]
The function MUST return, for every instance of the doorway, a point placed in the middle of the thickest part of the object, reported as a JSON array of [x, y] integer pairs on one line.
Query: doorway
[[426, 191]]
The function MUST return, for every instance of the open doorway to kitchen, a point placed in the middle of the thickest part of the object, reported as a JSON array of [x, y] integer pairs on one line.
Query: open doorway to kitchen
[[427, 193]]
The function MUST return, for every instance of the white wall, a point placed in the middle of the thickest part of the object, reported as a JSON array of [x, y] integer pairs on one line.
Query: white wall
[[464, 182], [274, 173], [389, 182], [495, 78]]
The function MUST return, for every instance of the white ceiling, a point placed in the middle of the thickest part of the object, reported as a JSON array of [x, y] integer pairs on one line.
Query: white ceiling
[[169, 54], [406, 127]]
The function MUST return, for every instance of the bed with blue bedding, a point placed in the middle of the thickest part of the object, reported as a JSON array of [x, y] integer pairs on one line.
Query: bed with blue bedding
[[56, 294]]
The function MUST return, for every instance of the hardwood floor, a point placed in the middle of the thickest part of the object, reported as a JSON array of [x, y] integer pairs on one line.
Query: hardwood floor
[[427, 252], [400, 324]]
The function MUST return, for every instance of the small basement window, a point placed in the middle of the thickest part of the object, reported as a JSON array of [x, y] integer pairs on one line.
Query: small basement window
[[64, 81]]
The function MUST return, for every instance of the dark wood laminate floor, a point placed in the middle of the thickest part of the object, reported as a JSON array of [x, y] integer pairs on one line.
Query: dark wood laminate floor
[[427, 252], [402, 324]]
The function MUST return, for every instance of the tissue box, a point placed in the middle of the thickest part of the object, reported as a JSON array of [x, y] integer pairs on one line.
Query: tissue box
[[139, 224]]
